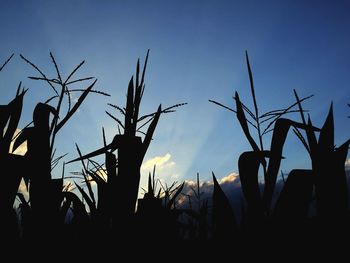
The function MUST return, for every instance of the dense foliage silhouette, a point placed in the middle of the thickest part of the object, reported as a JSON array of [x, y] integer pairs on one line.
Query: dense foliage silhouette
[[74, 214]]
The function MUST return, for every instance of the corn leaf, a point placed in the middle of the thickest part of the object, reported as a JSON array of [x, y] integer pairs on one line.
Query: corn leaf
[[248, 165], [85, 177], [224, 219], [243, 121], [150, 131], [295, 198], [129, 108], [7, 61], [87, 198], [15, 110]]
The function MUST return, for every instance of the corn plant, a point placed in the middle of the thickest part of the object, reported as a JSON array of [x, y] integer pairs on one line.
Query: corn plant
[[328, 167], [131, 148], [158, 217], [45, 192], [157, 213], [327, 175], [198, 214], [100, 206], [9, 118], [326, 183], [151, 200], [249, 162]]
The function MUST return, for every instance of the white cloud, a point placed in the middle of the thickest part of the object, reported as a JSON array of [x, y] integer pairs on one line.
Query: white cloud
[[230, 184], [161, 163], [232, 177]]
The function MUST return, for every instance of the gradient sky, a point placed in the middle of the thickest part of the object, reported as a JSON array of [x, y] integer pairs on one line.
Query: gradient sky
[[197, 53]]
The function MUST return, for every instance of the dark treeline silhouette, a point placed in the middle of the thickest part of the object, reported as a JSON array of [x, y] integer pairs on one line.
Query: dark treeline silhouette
[[54, 213]]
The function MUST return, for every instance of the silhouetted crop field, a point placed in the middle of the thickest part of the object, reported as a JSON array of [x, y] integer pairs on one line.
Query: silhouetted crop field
[[74, 214]]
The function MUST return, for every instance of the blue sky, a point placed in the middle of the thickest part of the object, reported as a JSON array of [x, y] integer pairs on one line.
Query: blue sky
[[197, 53]]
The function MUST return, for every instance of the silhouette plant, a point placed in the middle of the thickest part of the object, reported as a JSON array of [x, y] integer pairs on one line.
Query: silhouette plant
[[157, 212], [45, 192], [249, 162], [9, 118], [328, 161], [76, 213], [124, 184], [198, 227], [292, 206]]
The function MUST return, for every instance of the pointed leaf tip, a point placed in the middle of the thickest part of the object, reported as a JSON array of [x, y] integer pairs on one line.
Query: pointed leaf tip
[[214, 178]]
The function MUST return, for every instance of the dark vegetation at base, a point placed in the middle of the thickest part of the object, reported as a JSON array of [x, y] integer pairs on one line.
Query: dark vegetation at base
[[100, 222]]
